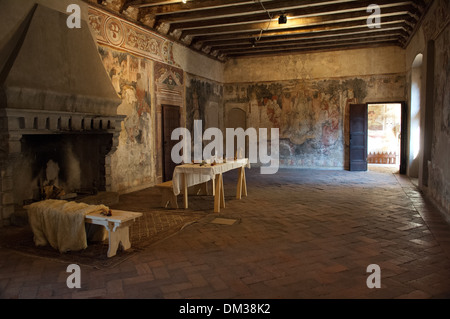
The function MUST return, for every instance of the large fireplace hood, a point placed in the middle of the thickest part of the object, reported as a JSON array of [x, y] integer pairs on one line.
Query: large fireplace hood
[[47, 66], [52, 81]]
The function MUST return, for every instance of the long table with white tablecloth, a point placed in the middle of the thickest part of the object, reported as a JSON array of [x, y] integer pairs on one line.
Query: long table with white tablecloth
[[188, 175]]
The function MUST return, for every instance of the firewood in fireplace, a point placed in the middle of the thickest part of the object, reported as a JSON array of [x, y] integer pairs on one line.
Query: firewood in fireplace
[[52, 192]]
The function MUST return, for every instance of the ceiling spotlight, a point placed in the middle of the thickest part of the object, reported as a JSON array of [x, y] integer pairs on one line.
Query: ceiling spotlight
[[184, 1], [282, 19]]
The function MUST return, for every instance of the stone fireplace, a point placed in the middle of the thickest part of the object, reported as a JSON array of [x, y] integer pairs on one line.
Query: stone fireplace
[[58, 113]]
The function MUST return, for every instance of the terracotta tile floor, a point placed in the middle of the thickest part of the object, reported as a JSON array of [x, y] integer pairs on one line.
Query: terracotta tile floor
[[299, 234]]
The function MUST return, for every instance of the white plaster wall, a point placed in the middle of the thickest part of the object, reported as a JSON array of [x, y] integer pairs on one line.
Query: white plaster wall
[[416, 45], [326, 65], [416, 94], [435, 26], [439, 167], [198, 64]]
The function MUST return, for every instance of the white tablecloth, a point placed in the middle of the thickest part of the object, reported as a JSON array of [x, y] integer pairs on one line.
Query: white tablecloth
[[196, 174]]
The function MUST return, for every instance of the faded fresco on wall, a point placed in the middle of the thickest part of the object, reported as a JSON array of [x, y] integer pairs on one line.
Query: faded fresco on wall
[[171, 76], [204, 101], [312, 115], [123, 35], [132, 162], [439, 175], [169, 90]]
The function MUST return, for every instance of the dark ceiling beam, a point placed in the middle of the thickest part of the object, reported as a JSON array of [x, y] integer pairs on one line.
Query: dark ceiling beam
[[148, 10], [328, 27], [294, 13], [312, 33], [324, 37], [250, 18], [151, 2], [116, 6], [420, 4], [218, 8], [309, 35], [347, 44], [394, 34], [166, 7], [295, 23], [221, 28], [313, 49]]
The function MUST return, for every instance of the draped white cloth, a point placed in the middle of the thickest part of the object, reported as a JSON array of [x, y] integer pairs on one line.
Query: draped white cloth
[[196, 174], [61, 223]]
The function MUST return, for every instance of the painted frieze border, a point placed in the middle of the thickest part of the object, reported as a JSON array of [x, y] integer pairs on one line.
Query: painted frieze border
[[122, 35]]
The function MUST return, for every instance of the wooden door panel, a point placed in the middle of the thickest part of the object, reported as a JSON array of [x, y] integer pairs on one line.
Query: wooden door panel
[[358, 140], [358, 137], [171, 121]]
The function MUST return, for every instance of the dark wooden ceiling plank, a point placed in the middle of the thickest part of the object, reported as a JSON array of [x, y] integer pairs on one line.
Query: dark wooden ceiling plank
[[322, 31], [295, 13], [325, 38], [296, 24], [325, 28], [248, 46], [420, 4], [275, 49], [151, 2], [314, 49], [251, 18], [219, 9], [166, 7], [226, 27]]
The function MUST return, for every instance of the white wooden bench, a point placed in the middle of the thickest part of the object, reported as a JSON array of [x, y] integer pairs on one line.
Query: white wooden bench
[[117, 225], [168, 198]]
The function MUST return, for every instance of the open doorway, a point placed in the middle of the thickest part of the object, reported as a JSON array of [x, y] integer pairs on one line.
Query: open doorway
[[384, 135]]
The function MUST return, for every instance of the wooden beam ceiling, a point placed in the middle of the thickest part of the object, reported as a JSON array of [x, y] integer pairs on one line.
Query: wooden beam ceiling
[[234, 28]]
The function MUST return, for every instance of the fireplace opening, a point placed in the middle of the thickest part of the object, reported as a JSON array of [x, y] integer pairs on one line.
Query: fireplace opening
[[60, 166]]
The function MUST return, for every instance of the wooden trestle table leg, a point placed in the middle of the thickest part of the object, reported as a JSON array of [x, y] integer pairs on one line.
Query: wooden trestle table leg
[[219, 194], [242, 184], [185, 189]]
